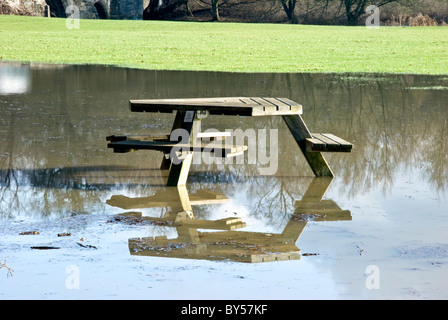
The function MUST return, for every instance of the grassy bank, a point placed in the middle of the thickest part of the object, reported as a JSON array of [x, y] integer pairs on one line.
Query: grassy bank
[[226, 46]]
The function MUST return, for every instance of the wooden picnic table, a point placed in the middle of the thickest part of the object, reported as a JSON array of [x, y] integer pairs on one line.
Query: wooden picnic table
[[190, 112]]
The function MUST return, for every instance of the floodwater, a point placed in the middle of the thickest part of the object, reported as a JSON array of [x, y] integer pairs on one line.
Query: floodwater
[[377, 230]]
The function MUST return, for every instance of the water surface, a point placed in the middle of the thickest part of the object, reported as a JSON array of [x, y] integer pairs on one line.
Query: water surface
[[390, 192]]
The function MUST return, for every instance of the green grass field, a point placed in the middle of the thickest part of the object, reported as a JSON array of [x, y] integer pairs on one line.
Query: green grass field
[[226, 46]]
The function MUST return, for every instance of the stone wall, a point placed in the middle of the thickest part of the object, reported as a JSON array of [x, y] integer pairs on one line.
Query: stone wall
[[23, 7], [126, 9], [88, 9]]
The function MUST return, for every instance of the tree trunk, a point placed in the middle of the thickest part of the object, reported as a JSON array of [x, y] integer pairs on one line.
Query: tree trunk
[[348, 12], [215, 12], [354, 9], [289, 7]]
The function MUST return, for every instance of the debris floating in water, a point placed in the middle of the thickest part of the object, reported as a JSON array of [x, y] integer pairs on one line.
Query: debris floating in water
[[86, 246], [29, 232], [64, 234]]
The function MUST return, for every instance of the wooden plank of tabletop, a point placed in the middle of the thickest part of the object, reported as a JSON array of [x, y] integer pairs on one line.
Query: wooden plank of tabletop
[[243, 106]]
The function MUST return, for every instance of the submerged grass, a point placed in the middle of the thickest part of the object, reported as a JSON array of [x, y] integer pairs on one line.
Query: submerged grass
[[234, 47]]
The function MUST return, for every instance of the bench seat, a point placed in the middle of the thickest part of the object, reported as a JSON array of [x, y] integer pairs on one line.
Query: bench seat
[[327, 142], [162, 137], [203, 136], [166, 147]]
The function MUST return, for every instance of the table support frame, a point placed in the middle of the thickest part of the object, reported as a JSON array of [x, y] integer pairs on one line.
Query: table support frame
[[300, 132]]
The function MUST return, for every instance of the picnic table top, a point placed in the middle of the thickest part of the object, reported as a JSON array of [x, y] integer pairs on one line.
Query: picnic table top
[[242, 106]]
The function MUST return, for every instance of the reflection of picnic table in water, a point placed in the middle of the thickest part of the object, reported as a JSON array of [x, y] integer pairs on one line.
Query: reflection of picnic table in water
[[240, 246], [181, 212]]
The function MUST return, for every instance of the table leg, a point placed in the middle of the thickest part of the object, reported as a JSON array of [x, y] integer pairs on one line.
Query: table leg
[[314, 193], [300, 132], [178, 173], [179, 122]]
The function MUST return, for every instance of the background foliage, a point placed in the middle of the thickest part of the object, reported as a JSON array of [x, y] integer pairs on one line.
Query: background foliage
[[333, 12]]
